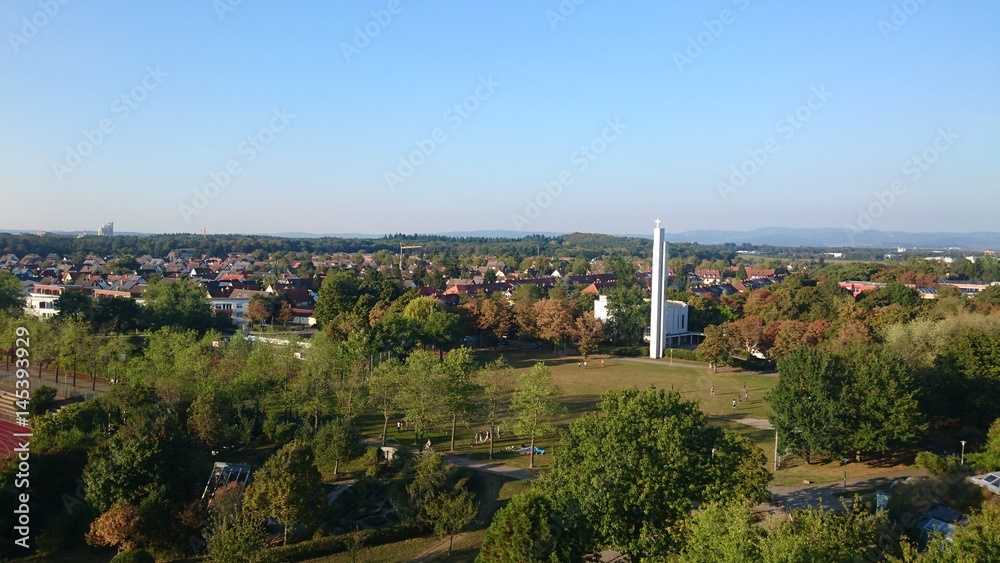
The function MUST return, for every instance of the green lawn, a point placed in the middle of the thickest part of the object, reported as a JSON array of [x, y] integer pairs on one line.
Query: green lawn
[[582, 388]]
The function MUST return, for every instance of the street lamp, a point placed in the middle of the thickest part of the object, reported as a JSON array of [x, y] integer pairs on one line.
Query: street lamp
[[963, 452], [844, 462]]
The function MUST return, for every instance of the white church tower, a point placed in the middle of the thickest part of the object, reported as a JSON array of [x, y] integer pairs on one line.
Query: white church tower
[[657, 324]]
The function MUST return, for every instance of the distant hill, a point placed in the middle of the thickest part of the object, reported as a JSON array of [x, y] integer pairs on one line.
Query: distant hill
[[772, 236], [769, 236], [829, 237]]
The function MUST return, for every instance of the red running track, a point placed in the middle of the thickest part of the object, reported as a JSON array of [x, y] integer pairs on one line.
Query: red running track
[[7, 440]]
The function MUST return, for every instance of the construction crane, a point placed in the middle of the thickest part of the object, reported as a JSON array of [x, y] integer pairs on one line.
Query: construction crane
[[401, 247]]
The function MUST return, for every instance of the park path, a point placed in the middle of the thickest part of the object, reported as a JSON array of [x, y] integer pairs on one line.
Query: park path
[[829, 494], [494, 466], [758, 423], [685, 363]]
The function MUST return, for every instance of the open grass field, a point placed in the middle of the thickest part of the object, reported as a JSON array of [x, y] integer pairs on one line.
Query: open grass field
[[582, 388]]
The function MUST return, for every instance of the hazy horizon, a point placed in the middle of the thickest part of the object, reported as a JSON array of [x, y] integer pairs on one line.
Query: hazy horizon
[[392, 116]]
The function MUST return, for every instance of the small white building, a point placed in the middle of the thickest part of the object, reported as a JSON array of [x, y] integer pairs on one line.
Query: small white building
[[675, 315]]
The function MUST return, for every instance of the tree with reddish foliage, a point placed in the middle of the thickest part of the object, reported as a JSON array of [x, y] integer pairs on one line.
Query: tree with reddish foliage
[[588, 333], [117, 527], [554, 319]]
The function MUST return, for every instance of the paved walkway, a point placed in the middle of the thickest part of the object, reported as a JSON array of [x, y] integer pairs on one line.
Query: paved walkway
[[495, 467], [828, 495], [758, 423]]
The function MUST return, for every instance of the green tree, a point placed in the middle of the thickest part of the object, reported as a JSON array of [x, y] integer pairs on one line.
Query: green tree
[[211, 418], [420, 397], [178, 303], [462, 392], [236, 539], [533, 528], [136, 463], [861, 400], [76, 346], [383, 387], [629, 313], [74, 304], [805, 403], [644, 461], [421, 308], [11, 295], [123, 265], [116, 315], [425, 480], [450, 512], [989, 458], [351, 363], [42, 401], [338, 295], [288, 488], [442, 330], [879, 404], [988, 297], [497, 383], [336, 441], [314, 391], [825, 535], [534, 404], [723, 533]]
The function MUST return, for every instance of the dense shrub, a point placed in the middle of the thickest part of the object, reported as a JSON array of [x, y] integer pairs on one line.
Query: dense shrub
[[42, 400], [933, 463], [338, 544], [133, 556], [629, 351]]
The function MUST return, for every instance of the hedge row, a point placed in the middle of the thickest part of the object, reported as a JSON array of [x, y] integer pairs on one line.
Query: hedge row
[[338, 544]]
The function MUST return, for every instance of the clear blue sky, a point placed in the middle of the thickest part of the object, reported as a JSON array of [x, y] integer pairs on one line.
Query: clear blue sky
[[555, 82]]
